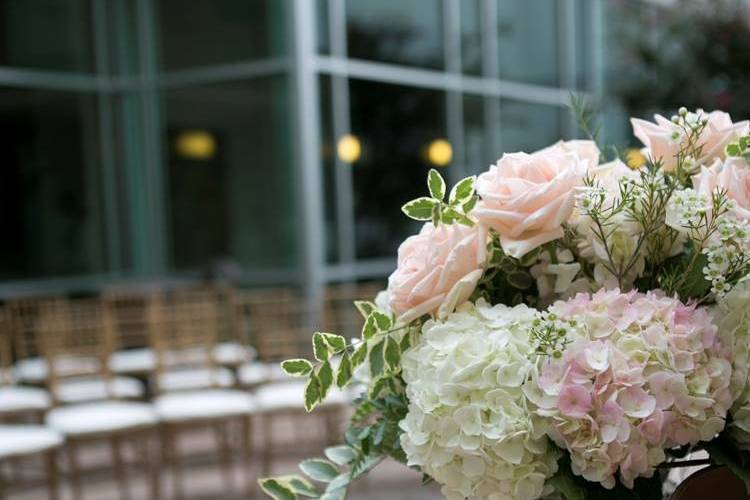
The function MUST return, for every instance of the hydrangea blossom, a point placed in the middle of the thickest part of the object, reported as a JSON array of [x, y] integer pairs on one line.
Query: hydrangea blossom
[[641, 373], [469, 424], [734, 327]]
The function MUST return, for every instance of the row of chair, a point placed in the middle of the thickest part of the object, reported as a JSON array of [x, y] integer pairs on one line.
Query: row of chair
[[142, 368]]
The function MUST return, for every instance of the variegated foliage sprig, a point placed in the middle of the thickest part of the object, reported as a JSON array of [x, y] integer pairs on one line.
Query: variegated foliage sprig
[[374, 432], [461, 200]]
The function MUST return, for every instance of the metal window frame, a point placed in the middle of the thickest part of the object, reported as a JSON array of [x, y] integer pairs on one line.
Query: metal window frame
[[304, 66]]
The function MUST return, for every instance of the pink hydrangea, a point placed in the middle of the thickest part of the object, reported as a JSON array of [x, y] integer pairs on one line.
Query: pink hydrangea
[[641, 373]]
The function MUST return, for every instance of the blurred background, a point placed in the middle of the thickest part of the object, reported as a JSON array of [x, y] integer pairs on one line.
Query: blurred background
[[264, 146]]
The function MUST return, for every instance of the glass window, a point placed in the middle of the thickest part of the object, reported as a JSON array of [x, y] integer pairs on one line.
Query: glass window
[[476, 150], [529, 127], [50, 196], [395, 31], [231, 187], [396, 125], [321, 21], [205, 32], [528, 37], [471, 37], [47, 34]]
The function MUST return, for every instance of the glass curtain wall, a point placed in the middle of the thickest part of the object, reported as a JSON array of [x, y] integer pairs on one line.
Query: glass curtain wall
[[164, 138]]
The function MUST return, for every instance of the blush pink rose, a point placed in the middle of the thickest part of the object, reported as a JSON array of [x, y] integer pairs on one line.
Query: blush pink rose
[[731, 176], [525, 198], [438, 269], [664, 139]]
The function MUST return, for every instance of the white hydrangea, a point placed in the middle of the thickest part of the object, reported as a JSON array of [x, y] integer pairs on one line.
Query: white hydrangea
[[469, 424], [735, 329]]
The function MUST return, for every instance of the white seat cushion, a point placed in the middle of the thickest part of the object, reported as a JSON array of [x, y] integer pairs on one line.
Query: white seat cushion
[[290, 396], [14, 398], [35, 370], [101, 417], [203, 405], [16, 440], [138, 361], [197, 378], [233, 353], [260, 373], [79, 390]]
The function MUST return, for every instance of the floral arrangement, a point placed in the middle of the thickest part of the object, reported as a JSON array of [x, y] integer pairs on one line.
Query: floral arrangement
[[561, 325]]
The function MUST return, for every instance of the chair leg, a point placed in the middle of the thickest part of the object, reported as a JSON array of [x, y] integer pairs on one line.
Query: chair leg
[[225, 454], [52, 475], [151, 446], [121, 471], [247, 450], [267, 448], [74, 470], [172, 458]]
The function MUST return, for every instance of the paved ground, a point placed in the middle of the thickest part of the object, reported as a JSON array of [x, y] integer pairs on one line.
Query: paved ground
[[203, 479]]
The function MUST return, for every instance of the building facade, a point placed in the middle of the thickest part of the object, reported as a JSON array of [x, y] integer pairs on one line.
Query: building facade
[[270, 139]]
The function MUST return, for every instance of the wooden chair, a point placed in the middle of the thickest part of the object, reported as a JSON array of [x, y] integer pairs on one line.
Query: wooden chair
[[132, 354], [184, 331], [17, 402], [23, 314], [83, 329], [339, 314], [274, 320], [19, 442]]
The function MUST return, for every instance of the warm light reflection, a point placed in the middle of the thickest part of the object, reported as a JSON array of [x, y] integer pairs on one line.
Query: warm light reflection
[[440, 152], [635, 158], [349, 148], [196, 144]]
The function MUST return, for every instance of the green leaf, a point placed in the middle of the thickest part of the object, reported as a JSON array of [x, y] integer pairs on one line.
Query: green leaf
[[724, 452], [344, 372], [325, 378], [319, 469], [320, 347], [274, 489], [365, 307], [312, 393], [340, 455], [377, 363], [462, 191], [567, 484], [340, 482], [296, 367], [469, 205], [520, 279], [420, 209], [436, 184], [449, 216], [405, 342], [733, 149], [336, 343], [301, 486], [392, 354], [382, 320], [359, 355], [378, 387], [370, 328], [337, 494]]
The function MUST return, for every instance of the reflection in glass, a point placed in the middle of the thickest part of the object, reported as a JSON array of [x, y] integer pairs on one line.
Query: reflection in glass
[[528, 35], [393, 166], [205, 32], [234, 199], [395, 31], [529, 127], [47, 34], [50, 195]]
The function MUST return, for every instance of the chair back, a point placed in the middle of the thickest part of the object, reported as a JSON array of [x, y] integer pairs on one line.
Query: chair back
[[340, 316], [183, 330], [6, 349], [277, 324], [76, 338], [23, 317]]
